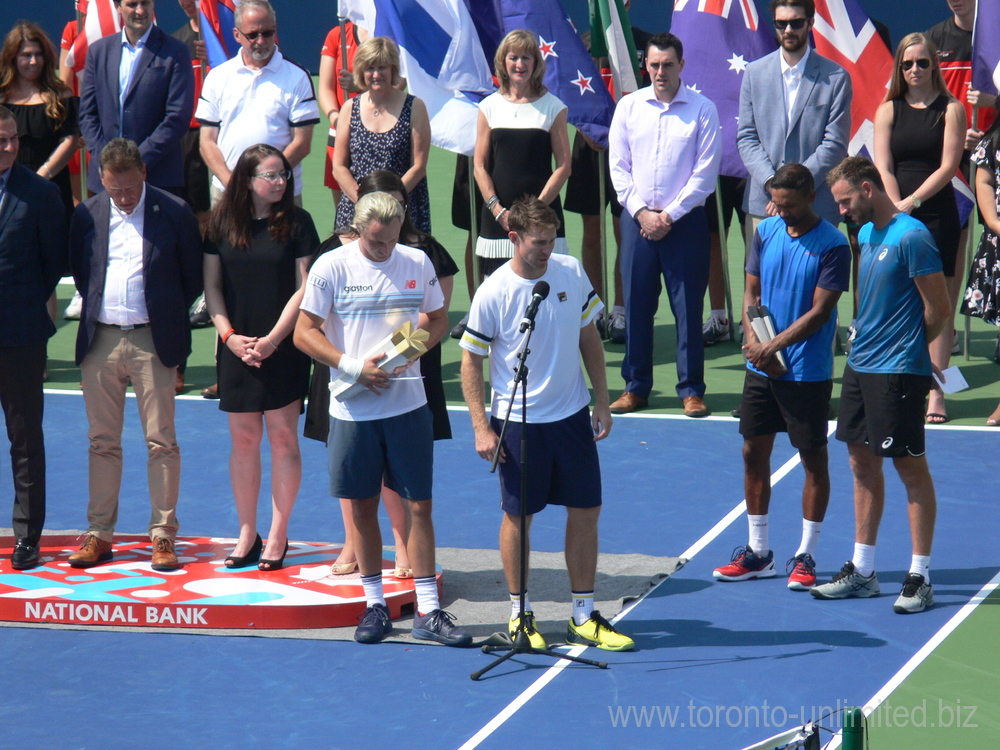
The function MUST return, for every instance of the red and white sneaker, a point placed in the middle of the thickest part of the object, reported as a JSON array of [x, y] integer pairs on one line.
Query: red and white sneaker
[[746, 564], [803, 575]]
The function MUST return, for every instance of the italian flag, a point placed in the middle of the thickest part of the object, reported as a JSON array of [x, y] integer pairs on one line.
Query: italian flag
[[611, 37]]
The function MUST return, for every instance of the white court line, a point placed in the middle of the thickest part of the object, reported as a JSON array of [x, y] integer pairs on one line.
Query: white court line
[[926, 650], [550, 674]]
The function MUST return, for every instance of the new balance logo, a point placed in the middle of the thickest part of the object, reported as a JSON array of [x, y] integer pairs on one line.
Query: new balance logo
[[411, 284]]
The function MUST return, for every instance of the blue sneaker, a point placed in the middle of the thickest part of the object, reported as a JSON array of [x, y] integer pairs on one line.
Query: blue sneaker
[[375, 624], [436, 625]]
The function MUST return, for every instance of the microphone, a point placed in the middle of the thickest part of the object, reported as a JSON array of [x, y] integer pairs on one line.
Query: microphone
[[540, 292]]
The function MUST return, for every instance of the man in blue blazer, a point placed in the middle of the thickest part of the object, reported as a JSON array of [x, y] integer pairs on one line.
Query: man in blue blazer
[[32, 256], [795, 106], [138, 85], [136, 257]]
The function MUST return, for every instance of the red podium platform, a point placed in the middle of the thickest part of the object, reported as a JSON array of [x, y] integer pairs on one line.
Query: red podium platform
[[204, 593]]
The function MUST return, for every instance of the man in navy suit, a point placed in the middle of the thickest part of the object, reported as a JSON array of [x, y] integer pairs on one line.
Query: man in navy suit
[[138, 85], [32, 254], [136, 257], [795, 106]]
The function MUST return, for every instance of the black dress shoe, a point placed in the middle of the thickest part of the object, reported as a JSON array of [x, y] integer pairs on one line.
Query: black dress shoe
[[25, 556]]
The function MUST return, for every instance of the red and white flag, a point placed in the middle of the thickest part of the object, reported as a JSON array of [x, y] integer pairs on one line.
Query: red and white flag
[[844, 33], [102, 19]]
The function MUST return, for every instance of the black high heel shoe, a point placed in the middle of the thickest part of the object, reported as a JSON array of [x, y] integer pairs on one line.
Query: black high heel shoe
[[249, 558], [270, 565]]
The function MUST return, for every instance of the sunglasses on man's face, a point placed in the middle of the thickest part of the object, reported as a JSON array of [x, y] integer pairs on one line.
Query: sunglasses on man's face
[[796, 24], [923, 63], [252, 36]]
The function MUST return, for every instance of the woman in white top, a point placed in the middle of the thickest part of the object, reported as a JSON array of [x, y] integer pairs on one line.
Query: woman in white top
[[521, 130]]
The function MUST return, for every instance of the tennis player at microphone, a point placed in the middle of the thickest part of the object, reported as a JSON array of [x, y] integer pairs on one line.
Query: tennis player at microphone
[[564, 468]]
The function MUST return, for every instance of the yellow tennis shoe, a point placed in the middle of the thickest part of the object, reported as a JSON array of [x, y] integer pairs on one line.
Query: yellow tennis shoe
[[598, 632]]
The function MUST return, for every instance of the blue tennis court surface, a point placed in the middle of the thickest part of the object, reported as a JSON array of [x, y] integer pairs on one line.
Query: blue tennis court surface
[[717, 665]]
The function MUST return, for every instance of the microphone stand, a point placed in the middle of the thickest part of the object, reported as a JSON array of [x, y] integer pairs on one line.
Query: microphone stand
[[521, 643]]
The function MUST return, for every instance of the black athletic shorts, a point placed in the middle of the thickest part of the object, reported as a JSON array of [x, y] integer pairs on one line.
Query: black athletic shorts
[[582, 194], [732, 200], [885, 411], [563, 468], [802, 409]]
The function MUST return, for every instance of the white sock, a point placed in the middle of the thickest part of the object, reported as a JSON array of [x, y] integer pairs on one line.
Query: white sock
[[921, 565], [515, 604], [864, 559], [583, 605], [373, 589], [720, 315], [759, 542], [810, 537], [427, 594], [618, 309]]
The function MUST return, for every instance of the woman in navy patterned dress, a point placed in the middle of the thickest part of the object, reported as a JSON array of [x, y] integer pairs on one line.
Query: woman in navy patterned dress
[[382, 128]]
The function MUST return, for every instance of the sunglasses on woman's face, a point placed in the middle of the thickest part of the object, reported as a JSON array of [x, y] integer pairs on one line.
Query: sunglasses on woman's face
[[923, 63], [796, 24]]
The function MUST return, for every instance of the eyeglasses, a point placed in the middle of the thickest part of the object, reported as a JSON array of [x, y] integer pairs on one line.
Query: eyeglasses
[[252, 36], [796, 24], [923, 63], [272, 177]]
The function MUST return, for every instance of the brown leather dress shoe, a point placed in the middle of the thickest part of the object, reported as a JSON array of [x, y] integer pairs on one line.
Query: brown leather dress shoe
[[164, 557], [93, 552], [179, 383], [695, 407], [628, 402], [211, 392]]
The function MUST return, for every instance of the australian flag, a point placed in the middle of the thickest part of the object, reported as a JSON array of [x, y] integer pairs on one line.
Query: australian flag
[[217, 30], [720, 38], [570, 72]]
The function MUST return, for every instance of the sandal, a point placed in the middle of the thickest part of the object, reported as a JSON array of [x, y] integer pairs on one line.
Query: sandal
[[343, 569], [937, 418], [994, 419], [402, 573]]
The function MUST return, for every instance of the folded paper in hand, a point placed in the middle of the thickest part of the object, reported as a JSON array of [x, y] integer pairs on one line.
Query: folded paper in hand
[[763, 325], [395, 350]]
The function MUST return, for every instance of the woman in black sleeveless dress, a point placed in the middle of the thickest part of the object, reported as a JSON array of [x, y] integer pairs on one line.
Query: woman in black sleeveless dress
[[919, 136], [256, 263]]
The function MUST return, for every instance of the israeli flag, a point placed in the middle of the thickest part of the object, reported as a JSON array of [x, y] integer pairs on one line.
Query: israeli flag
[[441, 58]]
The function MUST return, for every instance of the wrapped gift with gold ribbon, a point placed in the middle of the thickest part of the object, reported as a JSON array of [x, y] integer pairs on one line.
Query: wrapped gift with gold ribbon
[[395, 351]]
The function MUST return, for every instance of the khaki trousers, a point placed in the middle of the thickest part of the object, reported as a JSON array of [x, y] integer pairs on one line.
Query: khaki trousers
[[116, 358]]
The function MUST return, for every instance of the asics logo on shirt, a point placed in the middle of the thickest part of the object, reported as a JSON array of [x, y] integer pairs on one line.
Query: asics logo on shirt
[[364, 288], [885, 252]]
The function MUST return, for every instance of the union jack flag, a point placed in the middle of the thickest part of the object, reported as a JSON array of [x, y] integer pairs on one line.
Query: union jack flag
[[844, 33], [720, 38]]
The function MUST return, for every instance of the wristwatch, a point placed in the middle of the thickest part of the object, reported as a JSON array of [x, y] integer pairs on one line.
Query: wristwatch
[[917, 203]]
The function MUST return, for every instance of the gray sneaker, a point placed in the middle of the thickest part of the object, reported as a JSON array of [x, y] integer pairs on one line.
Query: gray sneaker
[[917, 595], [848, 583], [616, 328], [715, 331]]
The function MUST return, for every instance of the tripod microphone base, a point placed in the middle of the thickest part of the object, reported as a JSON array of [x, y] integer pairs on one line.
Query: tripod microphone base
[[521, 645]]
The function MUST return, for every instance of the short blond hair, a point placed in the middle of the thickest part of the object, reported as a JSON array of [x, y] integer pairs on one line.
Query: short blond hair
[[372, 52], [378, 206]]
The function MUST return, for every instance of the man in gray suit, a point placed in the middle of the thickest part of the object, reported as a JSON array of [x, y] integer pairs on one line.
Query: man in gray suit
[[795, 106]]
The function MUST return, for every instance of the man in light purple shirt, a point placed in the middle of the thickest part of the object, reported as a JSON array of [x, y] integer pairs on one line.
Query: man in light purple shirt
[[664, 156]]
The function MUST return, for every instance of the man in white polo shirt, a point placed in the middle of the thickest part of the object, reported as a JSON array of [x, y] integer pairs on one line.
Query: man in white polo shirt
[[259, 96], [356, 296]]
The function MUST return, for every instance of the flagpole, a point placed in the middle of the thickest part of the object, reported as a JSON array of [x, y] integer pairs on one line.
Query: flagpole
[[724, 243], [969, 240], [602, 166], [83, 146]]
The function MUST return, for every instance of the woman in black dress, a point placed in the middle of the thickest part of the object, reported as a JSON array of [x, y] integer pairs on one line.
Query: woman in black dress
[[43, 107], [919, 136], [256, 263]]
